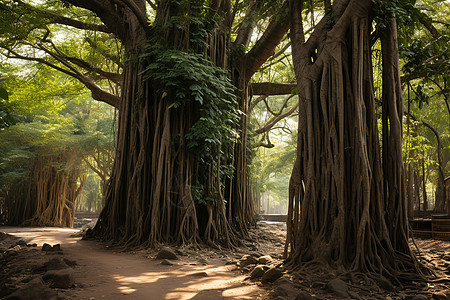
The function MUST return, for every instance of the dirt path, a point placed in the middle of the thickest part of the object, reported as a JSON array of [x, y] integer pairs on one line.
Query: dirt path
[[106, 274]]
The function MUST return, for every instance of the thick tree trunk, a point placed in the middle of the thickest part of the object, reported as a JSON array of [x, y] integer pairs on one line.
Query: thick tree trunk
[[151, 195], [347, 207]]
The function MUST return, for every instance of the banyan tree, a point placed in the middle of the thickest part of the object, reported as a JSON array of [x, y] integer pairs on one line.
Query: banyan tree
[[347, 189], [40, 189], [181, 165]]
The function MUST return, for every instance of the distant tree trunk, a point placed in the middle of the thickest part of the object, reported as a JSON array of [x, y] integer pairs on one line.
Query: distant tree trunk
[[424, 187], [46, 197], [417, 190], [410, 190], [347, 205]]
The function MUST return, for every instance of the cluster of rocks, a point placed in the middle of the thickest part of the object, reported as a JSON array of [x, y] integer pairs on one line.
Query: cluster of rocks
[[10, 243], [40, 281], [287, 285], [49, 249], [268, 271], [261, 268]]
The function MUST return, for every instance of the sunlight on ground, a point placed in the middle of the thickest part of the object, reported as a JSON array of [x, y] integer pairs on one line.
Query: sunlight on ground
[[126, 290], [144, 278], [41, 235], [218, 283]]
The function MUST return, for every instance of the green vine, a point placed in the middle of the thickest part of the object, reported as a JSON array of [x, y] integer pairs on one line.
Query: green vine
[[190, 79]]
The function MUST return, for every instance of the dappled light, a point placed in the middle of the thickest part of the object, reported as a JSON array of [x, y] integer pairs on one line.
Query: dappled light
[[188, 284]]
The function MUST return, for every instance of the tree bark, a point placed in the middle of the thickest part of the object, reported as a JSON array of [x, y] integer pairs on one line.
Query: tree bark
[[347, 207]]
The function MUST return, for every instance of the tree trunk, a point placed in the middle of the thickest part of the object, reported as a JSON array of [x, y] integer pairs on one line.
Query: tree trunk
[[347, 205]]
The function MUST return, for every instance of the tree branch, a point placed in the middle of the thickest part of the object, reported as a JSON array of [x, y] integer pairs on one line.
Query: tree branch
[[152, 5], [245, 30], [265, 46], [97, 92], [270, 88], [142, 19], [434, 32], [97, 171], [57, 19], [438, 139], [78, 24], [108, 13], [253, 103], [276, 119]]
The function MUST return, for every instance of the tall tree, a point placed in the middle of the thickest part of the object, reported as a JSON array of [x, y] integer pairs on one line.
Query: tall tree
[[181, 166], [347, 202]]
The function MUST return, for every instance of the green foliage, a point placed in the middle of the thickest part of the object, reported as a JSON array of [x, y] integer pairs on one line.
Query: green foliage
[[56, 118], [272, 167], [192, 78], [405, 11]]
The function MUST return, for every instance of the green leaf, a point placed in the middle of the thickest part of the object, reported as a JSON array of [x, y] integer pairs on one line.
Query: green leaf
[[3, 94]]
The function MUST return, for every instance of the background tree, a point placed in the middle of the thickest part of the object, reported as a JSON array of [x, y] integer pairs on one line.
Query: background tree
[[425, 84], [41, 163]]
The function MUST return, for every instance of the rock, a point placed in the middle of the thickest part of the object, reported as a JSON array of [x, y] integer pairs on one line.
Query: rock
[[166, 253], [22, 243], [60, 278], [339, 287], [15, 248], [264, 260], [199, 274], [203, 261], [258, 271], [7, 241], [55, 264], [302, 295], [34, 290], [247, 260], [56, 247], [46, 247], [271, 275], [69, 262], [166, 262], [441, 296], [420, 297], [285, 290]]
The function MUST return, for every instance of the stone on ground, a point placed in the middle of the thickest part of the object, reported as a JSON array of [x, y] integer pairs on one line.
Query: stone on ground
[[338, 287], [55, 264], [285, 290], [265, 259], [271, 275], [258, 271], [34, 290], [166, 253], [302, 295], [247, 260], [63, 279], [167, 262]]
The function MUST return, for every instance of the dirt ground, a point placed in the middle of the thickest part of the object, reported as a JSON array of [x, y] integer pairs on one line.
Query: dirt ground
[[105, 273]]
